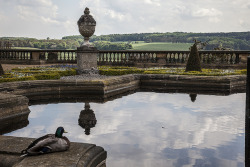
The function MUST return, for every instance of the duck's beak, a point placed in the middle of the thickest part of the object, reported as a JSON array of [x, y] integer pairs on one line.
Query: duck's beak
[[65, 132]]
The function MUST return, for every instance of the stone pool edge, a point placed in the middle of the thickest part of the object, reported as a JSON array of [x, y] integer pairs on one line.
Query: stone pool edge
[[14, 96]]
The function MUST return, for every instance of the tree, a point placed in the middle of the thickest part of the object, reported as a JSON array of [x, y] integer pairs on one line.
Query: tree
[[194, 63], [1, 70]]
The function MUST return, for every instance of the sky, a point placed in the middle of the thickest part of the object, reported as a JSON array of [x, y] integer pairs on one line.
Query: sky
[[57, 18]]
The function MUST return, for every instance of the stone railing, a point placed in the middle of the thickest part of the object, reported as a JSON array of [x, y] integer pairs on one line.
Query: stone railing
[[19, 56], [127, 57], [171, 58]]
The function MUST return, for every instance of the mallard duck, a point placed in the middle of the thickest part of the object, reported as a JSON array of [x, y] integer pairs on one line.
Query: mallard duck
[[48, 143]]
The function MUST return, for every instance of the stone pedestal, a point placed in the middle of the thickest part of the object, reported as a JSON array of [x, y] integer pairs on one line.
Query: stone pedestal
[[87, 60]]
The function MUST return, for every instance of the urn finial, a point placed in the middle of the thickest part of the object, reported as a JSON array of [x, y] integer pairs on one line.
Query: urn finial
[[86, 25], [86, 11]]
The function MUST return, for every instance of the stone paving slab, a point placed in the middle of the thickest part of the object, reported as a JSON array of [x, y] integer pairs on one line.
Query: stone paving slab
[[79, 154]]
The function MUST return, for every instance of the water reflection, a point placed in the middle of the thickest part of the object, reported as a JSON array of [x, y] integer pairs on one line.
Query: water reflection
[[209, 132], [193, 97], [87, 118]]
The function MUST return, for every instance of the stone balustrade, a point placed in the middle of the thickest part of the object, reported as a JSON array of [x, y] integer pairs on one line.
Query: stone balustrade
[[209, 58]]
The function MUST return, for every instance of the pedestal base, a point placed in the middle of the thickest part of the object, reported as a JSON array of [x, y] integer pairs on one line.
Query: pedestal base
[[87, 71], [87, 60]]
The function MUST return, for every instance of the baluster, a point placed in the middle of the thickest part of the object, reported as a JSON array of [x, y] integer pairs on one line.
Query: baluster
[[167, 58], [107, 57], [104, 57], [150, 57], [231, 58], [237, 58], [182, 58], [63, 56], [171, 57], [74, 55], [178, 58], [120, 57]]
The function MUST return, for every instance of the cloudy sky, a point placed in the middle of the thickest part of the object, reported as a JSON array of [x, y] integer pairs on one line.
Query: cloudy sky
[[57, 18]]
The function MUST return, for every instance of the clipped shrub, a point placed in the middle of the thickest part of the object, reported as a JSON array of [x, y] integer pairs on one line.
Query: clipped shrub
[[67, 73], [54, 75], [112, 71], [1, 70], [16, 79], [194, 63]]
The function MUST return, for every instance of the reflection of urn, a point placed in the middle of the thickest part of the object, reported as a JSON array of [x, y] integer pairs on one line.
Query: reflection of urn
[[193, 97], [87, 119], [86, 25]]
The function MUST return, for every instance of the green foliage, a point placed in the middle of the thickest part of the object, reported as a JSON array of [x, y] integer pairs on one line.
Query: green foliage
[[193, 63], [232, 40], [16, 79], [67, 43], [105, 45], [54, 75], [119, 71], [36, 73], [1, 70], [105, 70], [161, 46]]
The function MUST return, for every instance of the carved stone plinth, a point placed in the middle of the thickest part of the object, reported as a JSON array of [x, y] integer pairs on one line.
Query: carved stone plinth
[[87, 54], [87, 60]]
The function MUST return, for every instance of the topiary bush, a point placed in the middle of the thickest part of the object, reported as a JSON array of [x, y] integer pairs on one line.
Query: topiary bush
[[54, 75], [1, 70], [194, 63]]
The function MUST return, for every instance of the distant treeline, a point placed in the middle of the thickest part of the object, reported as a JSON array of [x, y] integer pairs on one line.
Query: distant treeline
[[106, 45], [65, 43], [232, 40], [41, 44]]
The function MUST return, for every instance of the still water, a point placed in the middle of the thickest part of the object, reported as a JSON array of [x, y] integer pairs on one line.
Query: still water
[[154, 129]]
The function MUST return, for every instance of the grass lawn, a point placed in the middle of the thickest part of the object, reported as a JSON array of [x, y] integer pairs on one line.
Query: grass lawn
[[161, 46]]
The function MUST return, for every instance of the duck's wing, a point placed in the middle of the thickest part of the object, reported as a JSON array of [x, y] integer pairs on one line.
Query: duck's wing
[[39, 140], [37, 146]]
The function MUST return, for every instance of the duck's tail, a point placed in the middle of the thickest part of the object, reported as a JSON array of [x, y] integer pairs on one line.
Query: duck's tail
[[24, 153]]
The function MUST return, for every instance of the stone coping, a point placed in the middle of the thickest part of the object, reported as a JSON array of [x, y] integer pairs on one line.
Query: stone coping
[[79, 154]]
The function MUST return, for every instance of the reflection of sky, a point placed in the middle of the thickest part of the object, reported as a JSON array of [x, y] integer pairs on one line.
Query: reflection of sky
[[154, 129]]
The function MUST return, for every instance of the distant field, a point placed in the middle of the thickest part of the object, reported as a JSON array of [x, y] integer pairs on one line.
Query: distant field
[[161, 46]]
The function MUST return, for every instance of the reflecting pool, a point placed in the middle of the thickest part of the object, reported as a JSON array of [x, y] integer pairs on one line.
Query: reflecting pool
[[148, 129]]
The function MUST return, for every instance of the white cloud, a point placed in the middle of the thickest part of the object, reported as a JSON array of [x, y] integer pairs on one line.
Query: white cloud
[[53, 18], [204, 12]]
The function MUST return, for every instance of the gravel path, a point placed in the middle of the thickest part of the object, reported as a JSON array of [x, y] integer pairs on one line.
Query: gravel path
[[86, 77]]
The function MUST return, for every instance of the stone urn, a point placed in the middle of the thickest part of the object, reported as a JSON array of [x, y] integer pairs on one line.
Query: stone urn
[[86, 25]]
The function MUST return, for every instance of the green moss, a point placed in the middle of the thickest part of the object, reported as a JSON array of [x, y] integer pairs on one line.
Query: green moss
[[38, 73], [16, 79], [54, 75]]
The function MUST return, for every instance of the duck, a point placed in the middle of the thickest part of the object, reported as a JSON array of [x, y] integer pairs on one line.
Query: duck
[[48, 144]]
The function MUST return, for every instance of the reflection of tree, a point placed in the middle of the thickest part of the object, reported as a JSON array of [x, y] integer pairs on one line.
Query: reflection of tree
[[193, 97], [87, 118]]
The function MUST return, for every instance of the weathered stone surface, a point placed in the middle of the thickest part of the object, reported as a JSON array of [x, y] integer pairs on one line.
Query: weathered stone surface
[[87, 62], [13, 105], [78, 152]]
